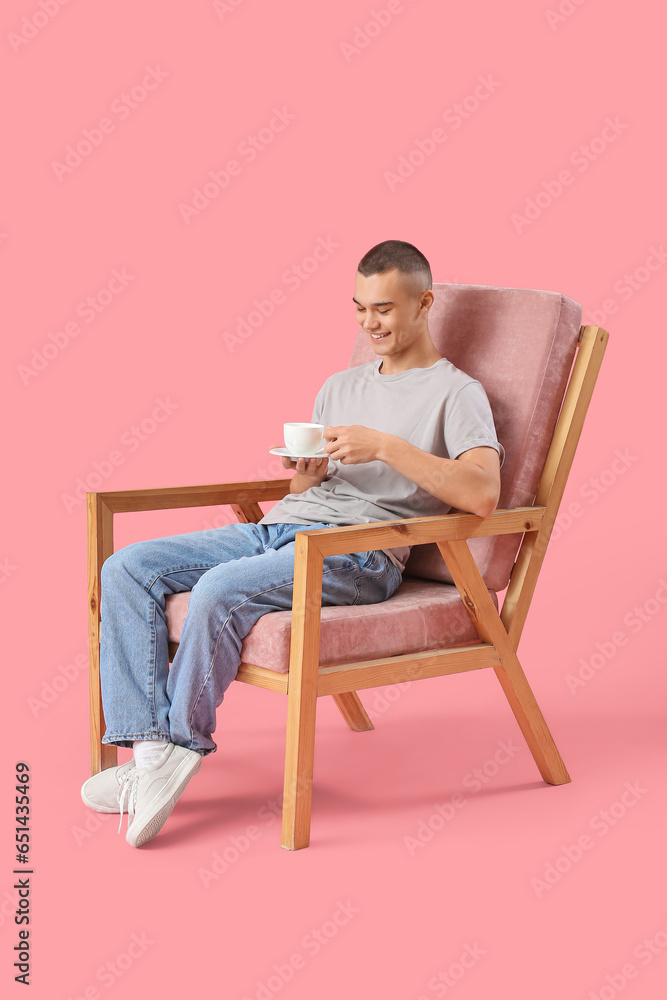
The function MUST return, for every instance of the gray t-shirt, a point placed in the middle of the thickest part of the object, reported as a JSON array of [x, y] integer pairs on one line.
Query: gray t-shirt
[[440, 409]]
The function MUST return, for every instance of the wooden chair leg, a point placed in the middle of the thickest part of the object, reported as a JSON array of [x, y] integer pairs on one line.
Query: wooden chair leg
[[528, 715], [302, 695], [100, 547], [102, 755], [480, 607], [299, 754], [353, 711]]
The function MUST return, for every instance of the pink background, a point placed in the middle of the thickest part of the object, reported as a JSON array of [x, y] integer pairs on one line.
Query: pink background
[[218, 76]]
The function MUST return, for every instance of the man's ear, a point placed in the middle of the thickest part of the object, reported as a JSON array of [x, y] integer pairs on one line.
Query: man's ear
[[427, 299]]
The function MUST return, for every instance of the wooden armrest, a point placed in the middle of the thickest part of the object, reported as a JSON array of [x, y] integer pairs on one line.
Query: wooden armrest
[[208, 495], [421, 530]]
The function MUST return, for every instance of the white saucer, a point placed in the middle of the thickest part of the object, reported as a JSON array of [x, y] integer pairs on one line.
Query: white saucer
[[289, 454]]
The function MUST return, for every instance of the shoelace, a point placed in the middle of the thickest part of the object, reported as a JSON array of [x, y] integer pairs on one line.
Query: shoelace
[[127, 790]]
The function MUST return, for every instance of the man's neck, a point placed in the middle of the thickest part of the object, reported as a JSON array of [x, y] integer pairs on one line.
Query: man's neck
[[408, 368]]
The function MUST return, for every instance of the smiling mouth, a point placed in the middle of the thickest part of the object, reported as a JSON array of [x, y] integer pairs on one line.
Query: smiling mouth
[[381, 336]]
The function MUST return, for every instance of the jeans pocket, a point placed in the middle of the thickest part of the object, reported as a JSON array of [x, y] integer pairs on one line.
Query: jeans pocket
[[371, 560], [376, 582]]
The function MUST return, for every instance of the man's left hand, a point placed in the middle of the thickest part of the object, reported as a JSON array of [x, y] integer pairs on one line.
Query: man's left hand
[[353, 444]]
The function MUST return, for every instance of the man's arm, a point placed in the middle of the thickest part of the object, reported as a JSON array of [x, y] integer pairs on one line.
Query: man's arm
[[470, 482], [309, 472], [300, 483]]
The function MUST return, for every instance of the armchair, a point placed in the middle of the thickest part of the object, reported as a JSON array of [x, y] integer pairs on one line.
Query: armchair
[[538, 367]]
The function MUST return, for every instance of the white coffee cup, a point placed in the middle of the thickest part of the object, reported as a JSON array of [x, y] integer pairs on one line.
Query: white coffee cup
[[303, 439]]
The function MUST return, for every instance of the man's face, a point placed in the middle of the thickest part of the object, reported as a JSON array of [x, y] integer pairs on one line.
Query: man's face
[[391, 310]]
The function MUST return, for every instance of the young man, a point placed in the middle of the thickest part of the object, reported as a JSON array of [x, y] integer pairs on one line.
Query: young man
[[407, 435]]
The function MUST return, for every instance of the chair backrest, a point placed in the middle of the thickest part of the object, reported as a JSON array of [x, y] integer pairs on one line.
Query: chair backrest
[[520, 343]]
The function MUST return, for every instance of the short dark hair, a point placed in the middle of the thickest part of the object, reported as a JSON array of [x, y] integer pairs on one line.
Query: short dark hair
[[397, 254]]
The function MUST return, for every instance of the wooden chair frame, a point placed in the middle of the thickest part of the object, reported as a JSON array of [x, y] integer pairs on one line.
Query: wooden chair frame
[[499, 633]]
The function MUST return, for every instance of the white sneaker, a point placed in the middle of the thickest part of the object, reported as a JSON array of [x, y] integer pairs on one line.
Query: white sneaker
[[102, 790], [153, 791]]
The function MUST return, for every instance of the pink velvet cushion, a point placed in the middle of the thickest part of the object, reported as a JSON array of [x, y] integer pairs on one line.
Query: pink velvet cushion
[[520, 343], [420, 615]]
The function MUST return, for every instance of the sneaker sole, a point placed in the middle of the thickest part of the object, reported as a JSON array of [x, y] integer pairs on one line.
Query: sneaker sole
[[99, 809], [141, 836]]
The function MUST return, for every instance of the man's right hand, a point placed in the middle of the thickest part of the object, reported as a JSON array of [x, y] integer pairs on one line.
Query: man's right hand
[[308, 468]]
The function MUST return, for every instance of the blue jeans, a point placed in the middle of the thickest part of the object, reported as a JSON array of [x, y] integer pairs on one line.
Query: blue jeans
[[236, 574]]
